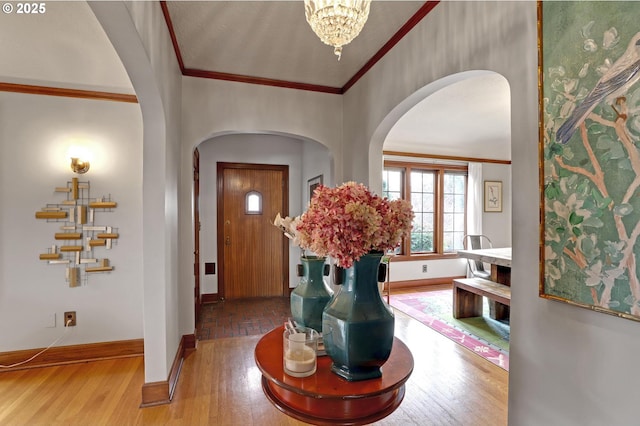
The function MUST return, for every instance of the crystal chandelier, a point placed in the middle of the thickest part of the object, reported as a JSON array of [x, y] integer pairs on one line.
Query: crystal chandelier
[[337, 22]]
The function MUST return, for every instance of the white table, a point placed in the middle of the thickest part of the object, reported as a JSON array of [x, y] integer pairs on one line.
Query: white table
[[494, 256]]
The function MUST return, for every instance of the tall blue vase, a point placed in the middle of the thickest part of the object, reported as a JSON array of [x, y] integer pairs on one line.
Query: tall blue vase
[[310, 297], [357, 325]]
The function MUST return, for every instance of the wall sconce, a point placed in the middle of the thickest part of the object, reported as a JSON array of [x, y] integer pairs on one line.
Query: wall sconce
[[79, 166]]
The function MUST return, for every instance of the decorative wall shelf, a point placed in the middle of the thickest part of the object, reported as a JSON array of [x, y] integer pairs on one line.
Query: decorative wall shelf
[[79, 235]]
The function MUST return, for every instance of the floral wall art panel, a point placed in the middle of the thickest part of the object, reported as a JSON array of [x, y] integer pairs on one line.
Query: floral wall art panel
[[589, 67]]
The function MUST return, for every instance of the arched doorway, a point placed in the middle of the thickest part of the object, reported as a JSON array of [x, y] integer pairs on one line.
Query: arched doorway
[[305, 159]]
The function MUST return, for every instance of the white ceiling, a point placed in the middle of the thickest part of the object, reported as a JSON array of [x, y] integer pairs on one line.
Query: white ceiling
[[271, 39], [470, 118], [66, 47]]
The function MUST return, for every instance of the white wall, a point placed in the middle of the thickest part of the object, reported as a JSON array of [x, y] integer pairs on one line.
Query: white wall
[[35, 133], [139, 34], [63, 47], [316, 161], [213, 109], [436, 268], [165, 296], [496, 225]]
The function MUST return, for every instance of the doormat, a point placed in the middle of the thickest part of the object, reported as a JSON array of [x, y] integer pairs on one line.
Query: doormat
[[483, 335]]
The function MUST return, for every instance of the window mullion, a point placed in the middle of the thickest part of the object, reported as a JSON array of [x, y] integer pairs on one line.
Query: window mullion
[[439, 225], [407, 196]]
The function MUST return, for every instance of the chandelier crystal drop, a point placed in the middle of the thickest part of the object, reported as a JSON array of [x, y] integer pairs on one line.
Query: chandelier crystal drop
[[337, 22]]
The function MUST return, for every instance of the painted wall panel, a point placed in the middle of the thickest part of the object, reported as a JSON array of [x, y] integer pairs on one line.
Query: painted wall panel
[[36, 132]]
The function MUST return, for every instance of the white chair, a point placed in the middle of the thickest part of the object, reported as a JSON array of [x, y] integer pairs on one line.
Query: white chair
[[476, 267]]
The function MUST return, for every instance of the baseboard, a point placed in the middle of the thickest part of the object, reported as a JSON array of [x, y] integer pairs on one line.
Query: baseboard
[[62, 355], [158, 393], [155, 393], [209, 298], [423, 282]]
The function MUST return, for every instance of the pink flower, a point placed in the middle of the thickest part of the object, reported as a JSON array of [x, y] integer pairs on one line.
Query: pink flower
[[349, 221]]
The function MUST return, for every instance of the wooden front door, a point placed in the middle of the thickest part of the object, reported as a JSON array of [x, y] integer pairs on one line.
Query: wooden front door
[[253, 257]]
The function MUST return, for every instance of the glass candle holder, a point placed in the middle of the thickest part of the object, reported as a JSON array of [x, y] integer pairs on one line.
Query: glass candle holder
[[299, 351]]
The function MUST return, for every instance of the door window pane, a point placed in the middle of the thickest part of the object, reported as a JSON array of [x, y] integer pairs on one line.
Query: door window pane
[[253, 203]]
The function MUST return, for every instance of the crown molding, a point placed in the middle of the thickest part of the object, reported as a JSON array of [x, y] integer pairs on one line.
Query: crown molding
[[68, 93], [412, 22]]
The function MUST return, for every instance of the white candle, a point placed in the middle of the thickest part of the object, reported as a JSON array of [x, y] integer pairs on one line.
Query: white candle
[[300, 361], [299, 358]]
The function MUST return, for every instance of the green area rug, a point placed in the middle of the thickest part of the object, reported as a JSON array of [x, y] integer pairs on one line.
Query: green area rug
[[483, 335]]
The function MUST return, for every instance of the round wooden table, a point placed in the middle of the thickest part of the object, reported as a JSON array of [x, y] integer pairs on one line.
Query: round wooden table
[[325, 398]]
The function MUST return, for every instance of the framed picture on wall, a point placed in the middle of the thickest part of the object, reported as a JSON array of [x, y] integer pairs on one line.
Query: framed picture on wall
[[589, 163], [313, 184], [492, 196]]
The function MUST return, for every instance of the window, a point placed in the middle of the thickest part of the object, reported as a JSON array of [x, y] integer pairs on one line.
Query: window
[[253, 203], [423, 187], [438, 196]]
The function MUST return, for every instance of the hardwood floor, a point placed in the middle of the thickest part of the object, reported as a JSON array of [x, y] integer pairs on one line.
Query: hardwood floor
[[220, 385]]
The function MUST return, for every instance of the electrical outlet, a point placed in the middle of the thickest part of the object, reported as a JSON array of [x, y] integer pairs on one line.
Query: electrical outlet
[[70, 319], [424, 268]]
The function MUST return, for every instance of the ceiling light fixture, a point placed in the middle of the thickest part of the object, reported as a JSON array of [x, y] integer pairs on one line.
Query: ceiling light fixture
[[336, 22]]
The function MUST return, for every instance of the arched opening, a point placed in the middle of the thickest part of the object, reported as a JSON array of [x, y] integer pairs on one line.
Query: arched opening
[[457, 130], [460, 119], [305, 159]]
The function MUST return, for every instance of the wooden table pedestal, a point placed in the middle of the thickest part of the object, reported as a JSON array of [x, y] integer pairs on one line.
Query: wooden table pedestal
[[325, 398]]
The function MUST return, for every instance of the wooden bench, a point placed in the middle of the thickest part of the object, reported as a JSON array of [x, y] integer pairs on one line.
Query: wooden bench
[[468, 293]]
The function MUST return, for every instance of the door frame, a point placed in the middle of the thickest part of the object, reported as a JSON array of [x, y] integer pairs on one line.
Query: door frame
[[221, 166], [196, 235]]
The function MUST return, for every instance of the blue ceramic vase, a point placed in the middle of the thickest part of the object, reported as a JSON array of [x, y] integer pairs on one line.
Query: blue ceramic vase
[[310, 297], [357, 325]]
